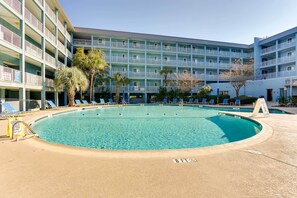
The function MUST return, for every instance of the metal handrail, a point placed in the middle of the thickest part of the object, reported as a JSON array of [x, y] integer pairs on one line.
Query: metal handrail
[[25, 124]]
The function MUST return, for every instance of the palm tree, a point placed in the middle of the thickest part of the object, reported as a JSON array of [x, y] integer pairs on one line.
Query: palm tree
[[91, 63], [71, 79], [165, 72], [119, 80]]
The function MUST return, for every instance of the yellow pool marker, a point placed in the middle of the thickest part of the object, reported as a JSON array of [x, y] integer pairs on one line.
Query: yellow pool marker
[[19, 129]]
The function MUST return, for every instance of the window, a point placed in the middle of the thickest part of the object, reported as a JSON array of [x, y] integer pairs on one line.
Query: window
[[289, 54], [124, 43], [166, 58], [156, 58], [135, 56], [194, 48], [166, 46], [135, 84], [38, 73], [156, 45], [124, 69], [185, 60], [224, 92], [134, 44], [185, 47], [210, 73], [210, 61], [195, 60], [124, 56], [289, 40], [135, 70], [156, 84], [156, 71], [101, 41], [194, 72]]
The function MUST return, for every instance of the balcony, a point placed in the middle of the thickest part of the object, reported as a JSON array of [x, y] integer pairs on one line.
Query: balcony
[[136, 74], [212, 64], [136, 88], [68, 53], [286, 73], [169, 62], [269, 49], [49, 82], [61, 47], [153, 47], [153, 75], [137, 46], [212, 52], [268, 75], [33, 50], [153, 61], [50, 13], [153, 89], [51, 60], [224, 65], [15, 5], [137, 60], [32, 20], [10, 75], [68, 36], [61, 27], [224, 53], [82, 42], [236, 54], [124, 73], [101, 43], [32, 79], [119, 44], [198, 51], [10, 37], [285, 45], [113, 88], [40, 2], [286, 59], [50, 36], [184, 62], [168, 48], [268, 63], [198, 64], [119, 59], [184, 50]]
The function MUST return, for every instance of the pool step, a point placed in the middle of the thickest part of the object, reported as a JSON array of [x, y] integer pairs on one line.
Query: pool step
[[184, 160]]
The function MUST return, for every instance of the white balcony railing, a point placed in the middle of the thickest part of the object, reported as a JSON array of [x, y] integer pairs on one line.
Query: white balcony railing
[[212, 64], [69, 54], [224, 65], [122, 44], [10, 75], [169, 48], [102, 43], [40, 2], [10, 37], [154, 89], [137, 45], [184, 62], [153, 61], [236, 54], [286, 59], [119, 59], [61, 27], [68, 36], [14, 4], [32, 20], [212, 52], [286, 73], [169, 62], [61, 47], [137, 60], [269, 62], [153, 75], [136, 74], [50, 36], [49, 82], [287, 44], [268, 49], [198, 51], [198, 64], [184, 49], [136, 88], [50, 13], [32, 79], [153, 47], [224, 53], [50, 59], [33, 50]]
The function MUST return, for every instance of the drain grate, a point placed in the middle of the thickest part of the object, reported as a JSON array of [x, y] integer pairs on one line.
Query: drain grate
[[184, 160]]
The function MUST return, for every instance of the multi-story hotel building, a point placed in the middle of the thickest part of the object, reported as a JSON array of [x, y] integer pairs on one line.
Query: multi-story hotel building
[[36, 37]]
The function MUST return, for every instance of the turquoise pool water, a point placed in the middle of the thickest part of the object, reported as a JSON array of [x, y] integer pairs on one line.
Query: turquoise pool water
[[145, 128]]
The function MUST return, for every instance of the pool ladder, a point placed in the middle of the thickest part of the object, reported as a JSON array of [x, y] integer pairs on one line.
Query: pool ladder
[[25, 124]]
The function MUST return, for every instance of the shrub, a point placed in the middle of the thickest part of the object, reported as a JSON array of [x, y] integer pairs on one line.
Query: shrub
[[245, 99]]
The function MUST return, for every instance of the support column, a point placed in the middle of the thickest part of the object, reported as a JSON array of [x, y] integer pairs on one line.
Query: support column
[[43, 97], [276, 67], [65, 97], [204, 64], [22, 90], [57, 98]]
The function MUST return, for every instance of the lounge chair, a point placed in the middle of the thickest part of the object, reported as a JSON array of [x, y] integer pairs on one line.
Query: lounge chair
[[190, 101], [51, 104], [8, 109], [174, 100], [78, 102], [102, 101], [94, 102], [237, 102], [181, 101], [110, 101], [124, 101], [225, 101], [165, 100], [85, 102], [204, 101], [196, 101], [211, 101]]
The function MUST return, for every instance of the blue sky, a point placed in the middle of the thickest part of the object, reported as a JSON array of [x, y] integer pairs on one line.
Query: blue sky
[[236, 21]]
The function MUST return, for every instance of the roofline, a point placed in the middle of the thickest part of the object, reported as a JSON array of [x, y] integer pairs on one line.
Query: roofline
[[82, 30], [64, 15], [279, 35]]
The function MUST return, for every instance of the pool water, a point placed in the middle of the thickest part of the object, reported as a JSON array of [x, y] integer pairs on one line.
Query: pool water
[[145, 128]]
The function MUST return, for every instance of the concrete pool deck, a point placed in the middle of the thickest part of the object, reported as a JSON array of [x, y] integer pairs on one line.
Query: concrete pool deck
[[267, 168]]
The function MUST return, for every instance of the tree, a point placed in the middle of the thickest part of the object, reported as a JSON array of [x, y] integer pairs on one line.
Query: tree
[[238, 74], [185, 82], [119, 79], [92, 63], [165, 72], [71, 79]]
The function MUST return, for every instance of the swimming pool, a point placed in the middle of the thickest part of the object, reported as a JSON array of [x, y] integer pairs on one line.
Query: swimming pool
[[145, 128]]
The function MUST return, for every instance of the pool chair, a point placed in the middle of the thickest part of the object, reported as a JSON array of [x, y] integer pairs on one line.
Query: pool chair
[[102, 101], [94, 102], [51, 104], [110, 101], [7, 109], [237, 102], [181, 101], [85, 102], [211, 102], [174, 100], [78, 102], [165, 100], [124, 101], [196, 101], [190, 101], [204, 101], [225, 101]]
